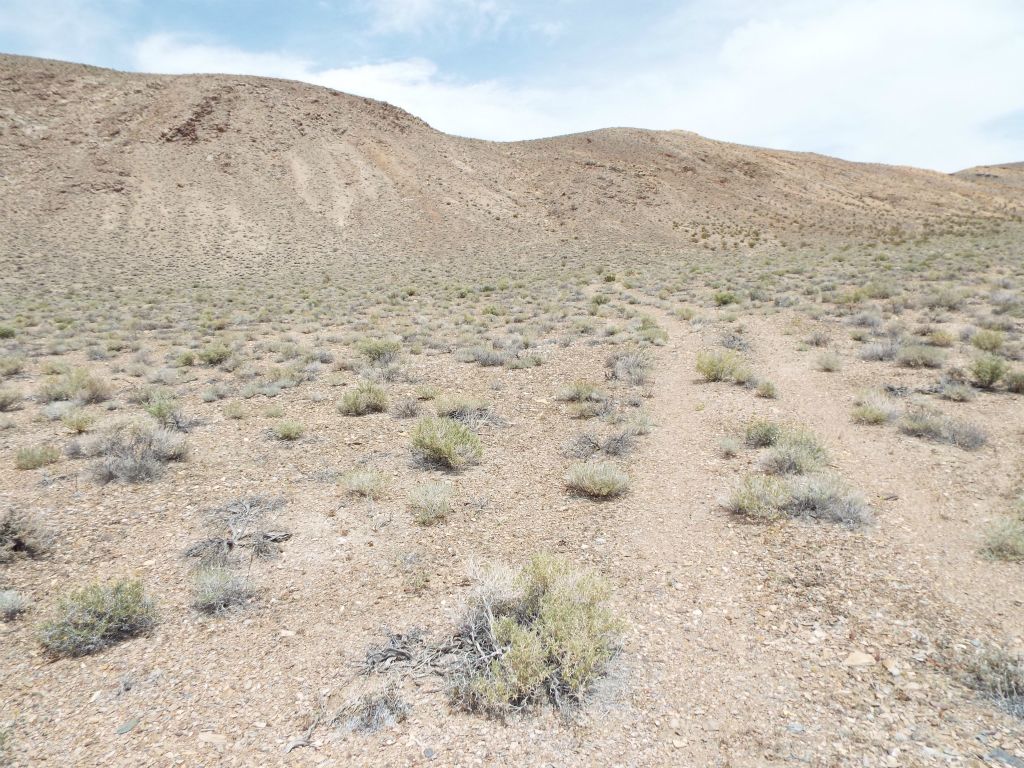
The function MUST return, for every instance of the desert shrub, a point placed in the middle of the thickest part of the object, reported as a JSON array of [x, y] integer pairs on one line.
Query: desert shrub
[[10, 399], [582, 446], [468, 410], [97, 616], [761, 433], [829, 362], [924, 422], [729, 447], [134, 451], [920, 356], [881, 350], [217, 588], [796, 452], [819, 339], [998, 674], [234, 410], [717, 365], [987, 341], [12, 605], [6, 332], [631, 366], [488, 357], [36, 456], [11, 364], [824, 497], [725, 298], [956, 391], [1014, 381], [215, 353], [23, 533], [288, 430], [380, 352], [430, 503], [77, 421], [1004, 540], [759, 497], [545, 633], [620, 442], [406, 408], [941, 338], [445, 442], [582, 392], [77, 384], [598, 479], [373, 711], [987, 370], [366, 398], [368, 483], [766, 389], [242, 523], [427, 392], [945, 299], [874, 408]]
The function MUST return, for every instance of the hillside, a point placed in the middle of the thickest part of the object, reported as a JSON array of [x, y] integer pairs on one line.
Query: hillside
[[329, 439], [231, 165]]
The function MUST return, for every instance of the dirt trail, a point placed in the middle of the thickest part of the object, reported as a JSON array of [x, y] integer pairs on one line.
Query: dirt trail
[[763, 620], [695, 576]]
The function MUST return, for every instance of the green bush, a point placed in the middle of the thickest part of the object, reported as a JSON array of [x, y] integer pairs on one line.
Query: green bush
[[920, 356], [987, 370], [365, 398], [1004, 540], [368, 483], [598, 479], [77, 384], [761, 433], [10, 399], [380, 352], [215, 353], [430, 503], [546, 633], [759, 497], [35, 456], [288, 430], [217, 588], [97, 616], [794, 453], [718, 365], [445, 442], [1014, 381], [987, 341]]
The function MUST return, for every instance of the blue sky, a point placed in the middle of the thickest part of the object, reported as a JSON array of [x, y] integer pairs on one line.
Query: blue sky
[[932, 83]]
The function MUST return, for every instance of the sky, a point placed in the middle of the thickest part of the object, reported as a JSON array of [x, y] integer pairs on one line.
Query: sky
[[931, 83]]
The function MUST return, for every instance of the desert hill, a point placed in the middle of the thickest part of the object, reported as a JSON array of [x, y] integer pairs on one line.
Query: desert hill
[[250, 167]]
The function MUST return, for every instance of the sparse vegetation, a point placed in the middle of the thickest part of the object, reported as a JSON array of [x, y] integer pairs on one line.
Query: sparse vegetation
[[446, 442], [36, 456], [97, 616], [12, 604], [367, 397], [430, 503], [921, 421], [24, 534], [545, 633], [134, 451], [597, 479], [218, 588]]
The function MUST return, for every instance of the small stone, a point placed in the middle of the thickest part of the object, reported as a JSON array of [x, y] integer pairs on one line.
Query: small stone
[[858, 659]]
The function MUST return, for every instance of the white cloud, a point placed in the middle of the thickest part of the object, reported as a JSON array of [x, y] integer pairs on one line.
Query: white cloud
[[414, 16], [68, 29]]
